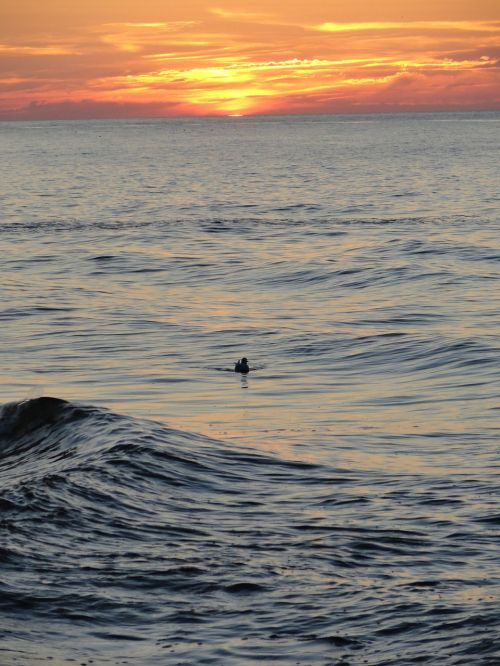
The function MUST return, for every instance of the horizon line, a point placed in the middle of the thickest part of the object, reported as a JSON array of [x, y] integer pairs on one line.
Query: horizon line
[[243, 116]]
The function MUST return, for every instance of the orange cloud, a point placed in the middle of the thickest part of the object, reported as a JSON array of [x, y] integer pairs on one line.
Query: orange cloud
[[411, 26], [240, 15], [199, 59], [19, 50]]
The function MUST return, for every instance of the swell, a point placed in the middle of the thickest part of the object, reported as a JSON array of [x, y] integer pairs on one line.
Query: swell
[[49, 435], [92, 469], [318, 218], [119, 529]]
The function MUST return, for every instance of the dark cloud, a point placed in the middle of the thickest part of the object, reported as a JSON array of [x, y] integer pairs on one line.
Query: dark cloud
[[86, 110]]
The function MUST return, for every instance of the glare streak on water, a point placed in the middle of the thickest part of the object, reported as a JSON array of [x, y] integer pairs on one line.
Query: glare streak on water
[[337, 505]]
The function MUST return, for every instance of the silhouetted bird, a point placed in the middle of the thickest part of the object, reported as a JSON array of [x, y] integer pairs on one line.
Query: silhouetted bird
[[242, 366]]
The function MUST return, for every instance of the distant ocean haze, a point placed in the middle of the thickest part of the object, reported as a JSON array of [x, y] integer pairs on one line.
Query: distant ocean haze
[[342, 498]]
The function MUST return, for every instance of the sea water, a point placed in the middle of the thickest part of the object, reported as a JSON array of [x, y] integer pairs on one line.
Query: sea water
[[339, 504]]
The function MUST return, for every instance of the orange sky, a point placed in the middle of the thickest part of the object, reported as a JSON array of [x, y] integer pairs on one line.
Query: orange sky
[[122, 58]]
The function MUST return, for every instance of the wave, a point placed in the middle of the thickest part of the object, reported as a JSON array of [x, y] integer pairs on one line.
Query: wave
[[318, 220], [56, 433], [120, 531], [111, 464]]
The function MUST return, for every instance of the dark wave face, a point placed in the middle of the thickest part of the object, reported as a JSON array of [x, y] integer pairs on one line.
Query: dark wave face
[[124, 541]]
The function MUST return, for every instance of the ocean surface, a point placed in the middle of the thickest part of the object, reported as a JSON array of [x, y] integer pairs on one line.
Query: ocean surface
[[339, 505]]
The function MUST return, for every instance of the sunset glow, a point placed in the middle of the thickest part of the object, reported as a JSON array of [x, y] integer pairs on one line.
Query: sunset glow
[[154, 58]]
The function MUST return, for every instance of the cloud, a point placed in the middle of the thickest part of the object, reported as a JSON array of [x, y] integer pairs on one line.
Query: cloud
[[86, 109], [411, 26], [241, 15], [19, 50], [246, 62], [133, 37], [168, 26]]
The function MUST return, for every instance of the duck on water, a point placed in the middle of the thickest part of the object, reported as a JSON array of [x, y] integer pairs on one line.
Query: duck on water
[[242, 366]]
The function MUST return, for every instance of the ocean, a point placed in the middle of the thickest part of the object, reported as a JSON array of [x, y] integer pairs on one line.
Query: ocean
[[338, 505]]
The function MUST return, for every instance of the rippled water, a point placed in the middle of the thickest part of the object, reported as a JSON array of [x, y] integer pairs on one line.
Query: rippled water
[[339, 505]]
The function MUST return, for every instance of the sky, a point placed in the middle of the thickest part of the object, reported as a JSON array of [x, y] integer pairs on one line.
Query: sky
[[67, 59]]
